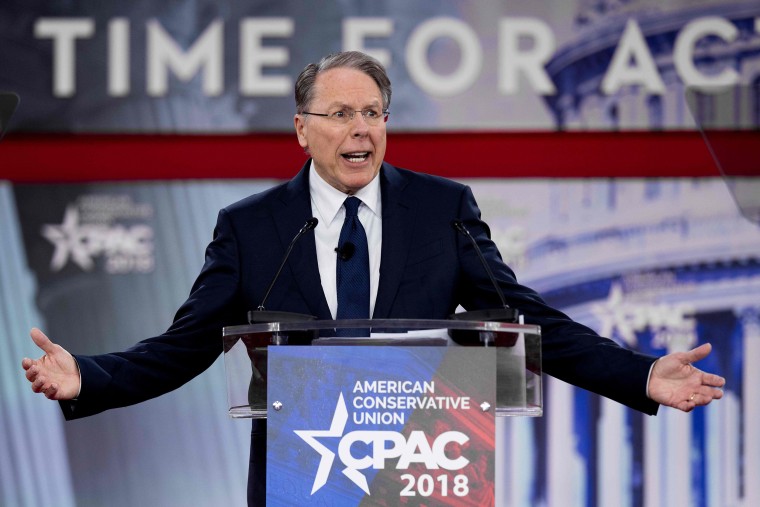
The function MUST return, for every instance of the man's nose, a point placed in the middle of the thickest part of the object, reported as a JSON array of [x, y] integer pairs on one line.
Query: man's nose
[[359, 124]]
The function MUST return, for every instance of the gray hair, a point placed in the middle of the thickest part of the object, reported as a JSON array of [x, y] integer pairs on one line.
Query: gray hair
[[304, 89]]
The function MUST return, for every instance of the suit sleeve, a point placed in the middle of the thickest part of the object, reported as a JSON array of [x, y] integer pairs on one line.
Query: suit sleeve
[[571, 351], [191, 344]]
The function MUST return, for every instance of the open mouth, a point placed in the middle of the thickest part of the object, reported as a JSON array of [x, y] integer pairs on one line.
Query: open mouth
[[356, 157]]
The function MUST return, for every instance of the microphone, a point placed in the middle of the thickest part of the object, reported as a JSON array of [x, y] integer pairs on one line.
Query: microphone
[[260, 315], [346, 251], [504, 314]]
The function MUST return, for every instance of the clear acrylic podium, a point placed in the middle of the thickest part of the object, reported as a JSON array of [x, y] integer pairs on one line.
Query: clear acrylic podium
[[516, 347]]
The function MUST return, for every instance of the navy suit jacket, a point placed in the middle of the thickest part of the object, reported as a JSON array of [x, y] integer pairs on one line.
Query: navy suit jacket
[[427, 270]]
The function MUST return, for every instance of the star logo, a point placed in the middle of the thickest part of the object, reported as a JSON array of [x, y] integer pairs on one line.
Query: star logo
[[337, 426], [619, 317], [70, 240]]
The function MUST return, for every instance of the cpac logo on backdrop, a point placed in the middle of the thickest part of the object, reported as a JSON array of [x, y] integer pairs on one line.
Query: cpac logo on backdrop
[[382, 446], [672, 325], [88, 231]]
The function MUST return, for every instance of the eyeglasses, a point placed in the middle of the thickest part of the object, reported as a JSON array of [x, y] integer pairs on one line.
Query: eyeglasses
[[344, 116]]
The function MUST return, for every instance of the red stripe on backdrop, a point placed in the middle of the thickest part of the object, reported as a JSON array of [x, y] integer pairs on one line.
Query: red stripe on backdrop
[[100, 157]]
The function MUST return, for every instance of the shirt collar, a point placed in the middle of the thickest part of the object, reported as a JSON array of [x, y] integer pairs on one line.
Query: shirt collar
[[328, 200]]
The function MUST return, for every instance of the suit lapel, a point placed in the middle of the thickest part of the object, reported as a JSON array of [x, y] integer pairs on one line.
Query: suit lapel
[[293, 209], [397, 229]]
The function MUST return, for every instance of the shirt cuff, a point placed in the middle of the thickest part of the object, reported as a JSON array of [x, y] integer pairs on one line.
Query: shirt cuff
[[649, 377], [79, 371]]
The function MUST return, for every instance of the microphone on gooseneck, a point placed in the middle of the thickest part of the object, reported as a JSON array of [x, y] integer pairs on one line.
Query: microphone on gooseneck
[[260, 315], [346, 251], [503, 314]]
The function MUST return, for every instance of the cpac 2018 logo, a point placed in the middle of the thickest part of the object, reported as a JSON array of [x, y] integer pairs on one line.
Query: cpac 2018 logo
[[384, 445], [91, 229]]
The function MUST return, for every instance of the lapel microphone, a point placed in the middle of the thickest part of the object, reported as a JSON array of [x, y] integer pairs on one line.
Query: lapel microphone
[[260, 315], [346, 251]]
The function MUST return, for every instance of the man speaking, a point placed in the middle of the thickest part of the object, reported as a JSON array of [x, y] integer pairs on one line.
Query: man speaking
[[406, 261]]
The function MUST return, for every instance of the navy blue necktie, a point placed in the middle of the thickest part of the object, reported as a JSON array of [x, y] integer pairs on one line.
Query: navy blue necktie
[[353, 270]]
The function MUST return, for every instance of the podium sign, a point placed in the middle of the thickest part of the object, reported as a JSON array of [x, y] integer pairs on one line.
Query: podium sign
[[368, 425], [403, 417]]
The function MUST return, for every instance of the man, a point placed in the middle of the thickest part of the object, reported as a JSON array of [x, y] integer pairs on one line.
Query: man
[[417, 266]]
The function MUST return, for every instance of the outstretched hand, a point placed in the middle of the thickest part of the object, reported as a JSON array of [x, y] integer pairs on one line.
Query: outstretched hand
[[56, 374], [676, 383]]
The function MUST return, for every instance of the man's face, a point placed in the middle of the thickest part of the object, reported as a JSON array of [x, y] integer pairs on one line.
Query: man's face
[[346, 156]]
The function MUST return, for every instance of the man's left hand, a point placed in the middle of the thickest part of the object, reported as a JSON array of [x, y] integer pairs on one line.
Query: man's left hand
[[676, 383]]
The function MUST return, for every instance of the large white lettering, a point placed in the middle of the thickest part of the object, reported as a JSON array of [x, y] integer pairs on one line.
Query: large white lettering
[[683, 52], [414, 450], [356, 30], [164, 53], [632, 48], [254, 56], [470, 60], [525, 46], [118, 57], [64, 32], [514, 62]]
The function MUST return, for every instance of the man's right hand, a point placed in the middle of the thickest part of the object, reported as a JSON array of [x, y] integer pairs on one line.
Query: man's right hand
[[56, 374]]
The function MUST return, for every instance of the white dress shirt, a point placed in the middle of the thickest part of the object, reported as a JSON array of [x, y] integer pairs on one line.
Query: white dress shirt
[[327, 206]]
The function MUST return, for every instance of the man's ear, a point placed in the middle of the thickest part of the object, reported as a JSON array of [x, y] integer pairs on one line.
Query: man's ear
[[300, 124]]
